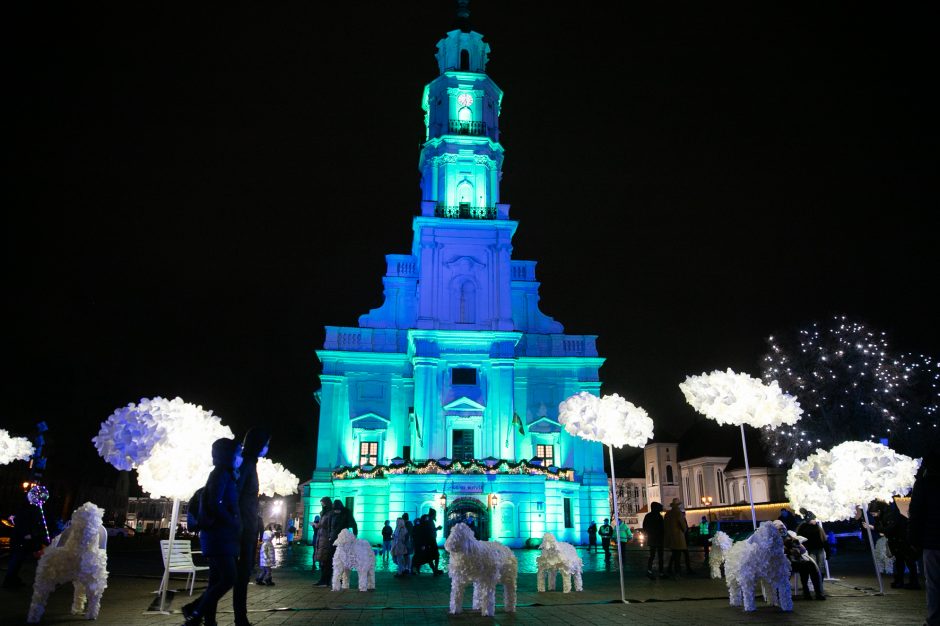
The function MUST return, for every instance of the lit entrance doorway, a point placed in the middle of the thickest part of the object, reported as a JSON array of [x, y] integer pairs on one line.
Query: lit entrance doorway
[[471, 512]]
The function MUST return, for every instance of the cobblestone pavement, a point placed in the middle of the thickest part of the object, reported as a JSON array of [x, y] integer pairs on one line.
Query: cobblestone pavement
[[423, 599]]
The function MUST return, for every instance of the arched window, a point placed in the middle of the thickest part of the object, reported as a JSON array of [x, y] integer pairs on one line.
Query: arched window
[[669, 477], [652, 475], [688, 490], [760, 490], [720, 478], [464, 114], [464, 60], [701, 484], [465, 193]]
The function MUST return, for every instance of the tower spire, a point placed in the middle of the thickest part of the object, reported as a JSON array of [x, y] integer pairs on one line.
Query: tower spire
[[463, 15]]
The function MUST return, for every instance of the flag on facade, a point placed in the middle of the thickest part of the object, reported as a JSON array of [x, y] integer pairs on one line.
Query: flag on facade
[[517, 421]]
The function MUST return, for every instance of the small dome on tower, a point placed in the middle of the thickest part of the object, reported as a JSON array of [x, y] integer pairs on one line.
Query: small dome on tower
[[462, 51]]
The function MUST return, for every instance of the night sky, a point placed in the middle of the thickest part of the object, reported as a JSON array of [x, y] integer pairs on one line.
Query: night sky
[[194, 192]]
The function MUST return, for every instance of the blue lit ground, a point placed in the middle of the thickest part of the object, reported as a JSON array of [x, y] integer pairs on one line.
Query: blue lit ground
[[135, 568]]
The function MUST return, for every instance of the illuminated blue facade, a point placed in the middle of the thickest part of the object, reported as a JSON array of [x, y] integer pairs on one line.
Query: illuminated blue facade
[[447, 395]]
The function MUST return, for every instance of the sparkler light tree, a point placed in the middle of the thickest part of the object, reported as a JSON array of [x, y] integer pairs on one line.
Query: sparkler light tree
[[615, 422], [738, 399], [169, 443], [833, 484], [852, 388]]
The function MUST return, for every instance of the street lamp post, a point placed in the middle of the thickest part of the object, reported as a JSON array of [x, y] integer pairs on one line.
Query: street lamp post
[[707, 501]]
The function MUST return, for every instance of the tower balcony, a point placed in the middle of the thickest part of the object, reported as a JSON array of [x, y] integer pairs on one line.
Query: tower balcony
[[458, 127], [466, 212]]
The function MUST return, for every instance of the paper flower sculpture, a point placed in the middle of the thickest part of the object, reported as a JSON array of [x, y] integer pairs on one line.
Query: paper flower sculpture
[[737, 399], [181, 461], [169, 442], [14, 448], [128, 436], [832, 484], [275, 479], [611, 420]]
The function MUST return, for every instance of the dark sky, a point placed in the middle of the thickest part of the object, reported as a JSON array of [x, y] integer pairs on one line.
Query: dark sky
[[195, 191]]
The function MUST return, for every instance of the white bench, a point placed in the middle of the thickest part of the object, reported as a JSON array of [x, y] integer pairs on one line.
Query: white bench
[[181, 561]]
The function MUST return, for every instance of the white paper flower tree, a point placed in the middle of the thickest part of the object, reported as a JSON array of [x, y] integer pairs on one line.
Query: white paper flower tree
[[275, 479], [615, 422], [738, 399], [169, 443], [833, 484], [14, 448]]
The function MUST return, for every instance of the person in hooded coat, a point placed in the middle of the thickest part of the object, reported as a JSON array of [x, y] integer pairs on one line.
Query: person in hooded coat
[[674, 529], [323, 547], [219, 540], [254, 446]]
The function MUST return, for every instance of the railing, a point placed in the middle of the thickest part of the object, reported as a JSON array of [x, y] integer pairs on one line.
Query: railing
[[458, 127], [466, 212], [523, 270], [401, 265]]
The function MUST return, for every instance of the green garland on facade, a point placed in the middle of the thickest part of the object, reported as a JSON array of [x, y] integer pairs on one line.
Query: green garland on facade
[[431, 466]]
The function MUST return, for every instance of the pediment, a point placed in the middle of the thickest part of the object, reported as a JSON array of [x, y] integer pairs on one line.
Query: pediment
[[544, 425], [370, 421], [464, 264], [464, 403]]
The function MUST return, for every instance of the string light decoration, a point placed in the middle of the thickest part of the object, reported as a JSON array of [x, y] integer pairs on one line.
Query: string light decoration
[[848, 382], [431, 466], [921, 432]]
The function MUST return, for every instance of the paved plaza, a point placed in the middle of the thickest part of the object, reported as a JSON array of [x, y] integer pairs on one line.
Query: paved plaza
[[135, 569]]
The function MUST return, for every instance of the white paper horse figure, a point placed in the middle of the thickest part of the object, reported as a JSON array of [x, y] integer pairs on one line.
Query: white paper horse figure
[[78, 556], [353, 554], [759, 559], [483, 563], [558, 557]]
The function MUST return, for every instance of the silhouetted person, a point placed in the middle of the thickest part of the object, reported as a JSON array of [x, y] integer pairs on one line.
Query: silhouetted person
[[606, 532], [592, 537], [432, 544], [653, 527], [924, 531], [254, 446], [28, 537], [219, 538]]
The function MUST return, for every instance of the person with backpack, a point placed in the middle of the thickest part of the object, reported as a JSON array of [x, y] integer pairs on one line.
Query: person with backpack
[[219, 525], [606, 532]]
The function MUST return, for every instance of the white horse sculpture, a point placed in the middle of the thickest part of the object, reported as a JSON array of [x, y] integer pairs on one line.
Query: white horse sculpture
[[77, 556], [558, 557], [483, 563], [353, 554]]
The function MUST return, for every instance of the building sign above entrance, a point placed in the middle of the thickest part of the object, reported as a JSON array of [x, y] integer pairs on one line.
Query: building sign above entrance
[[467, 488]]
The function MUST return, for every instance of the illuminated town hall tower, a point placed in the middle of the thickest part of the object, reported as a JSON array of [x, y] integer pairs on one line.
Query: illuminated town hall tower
[[447, 395]]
